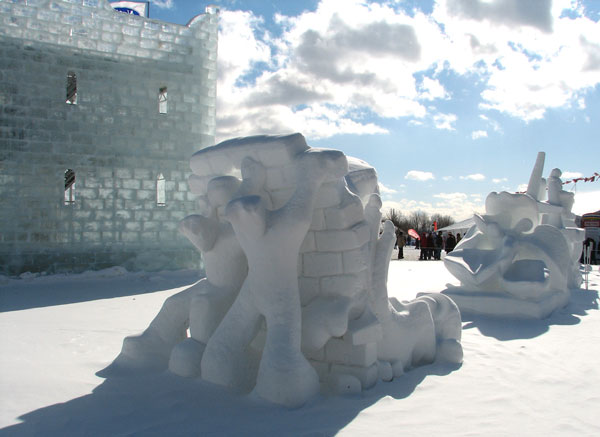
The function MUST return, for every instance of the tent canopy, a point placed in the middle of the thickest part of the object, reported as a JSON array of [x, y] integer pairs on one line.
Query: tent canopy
[[459, 226]]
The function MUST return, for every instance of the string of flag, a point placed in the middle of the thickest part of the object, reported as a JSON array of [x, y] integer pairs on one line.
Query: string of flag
[[593, 178]]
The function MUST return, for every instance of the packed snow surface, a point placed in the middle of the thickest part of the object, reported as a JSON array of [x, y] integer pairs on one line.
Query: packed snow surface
[[519, 377]]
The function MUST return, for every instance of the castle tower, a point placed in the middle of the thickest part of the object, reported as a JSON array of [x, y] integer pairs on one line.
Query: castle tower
[[100, 112]]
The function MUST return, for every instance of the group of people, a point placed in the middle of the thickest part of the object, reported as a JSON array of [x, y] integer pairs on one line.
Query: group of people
[[431, 244]]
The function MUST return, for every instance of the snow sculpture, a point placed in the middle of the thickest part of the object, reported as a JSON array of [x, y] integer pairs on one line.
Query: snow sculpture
[[295, 293], [521, 258]]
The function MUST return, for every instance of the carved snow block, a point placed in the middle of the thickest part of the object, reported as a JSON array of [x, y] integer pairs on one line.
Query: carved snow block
[[321, 367], [342, 240], [351, 285], [345, 216], [309, 289], [366, 375], [365, 329], [356, 260], [341, 351], [316, 264]]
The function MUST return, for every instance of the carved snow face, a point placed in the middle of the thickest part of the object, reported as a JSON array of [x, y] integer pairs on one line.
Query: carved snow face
[[510, 251]]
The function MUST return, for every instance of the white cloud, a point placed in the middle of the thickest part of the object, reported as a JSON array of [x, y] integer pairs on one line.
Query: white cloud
[[530, 56], [459, 206], [499, 180], [447, 178], [571, 175], [452, 197], [473, 177], [521, 188], [386, 190], [431, 89], [491, 123], [479, 134], [586, 201], [329, 67], [163, 4], [444, 121], [345, 57], [503, 13], [417, 175]]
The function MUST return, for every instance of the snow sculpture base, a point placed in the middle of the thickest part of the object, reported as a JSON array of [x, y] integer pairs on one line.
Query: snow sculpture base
[[521, 258], [505, 305], [295, 295]]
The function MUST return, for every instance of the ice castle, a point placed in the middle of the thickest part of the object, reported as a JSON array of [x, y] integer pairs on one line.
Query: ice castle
[[100, 112]]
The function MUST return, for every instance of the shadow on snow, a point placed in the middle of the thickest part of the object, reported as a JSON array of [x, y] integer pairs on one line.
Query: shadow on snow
[[165, 404], [501, 328], [23, 294]]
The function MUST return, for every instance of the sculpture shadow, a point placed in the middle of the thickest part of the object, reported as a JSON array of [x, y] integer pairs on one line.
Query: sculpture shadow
[[165, 404], [501, 328], [66, 289]]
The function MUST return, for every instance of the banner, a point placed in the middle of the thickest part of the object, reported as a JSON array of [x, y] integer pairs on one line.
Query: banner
[[414, 234], [133, 8]]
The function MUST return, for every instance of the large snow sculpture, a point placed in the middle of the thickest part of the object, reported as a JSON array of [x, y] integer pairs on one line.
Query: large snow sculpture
[[295, 291], [521, 258]]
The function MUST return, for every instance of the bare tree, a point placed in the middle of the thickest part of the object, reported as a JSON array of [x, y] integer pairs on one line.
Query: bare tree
[[442, 220], [395, 217], [419, 221]]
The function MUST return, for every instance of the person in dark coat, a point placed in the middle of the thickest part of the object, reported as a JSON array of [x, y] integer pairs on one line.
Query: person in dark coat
[[430, 244], [450, 242], [400, 242], [438, 242], [423, 242]]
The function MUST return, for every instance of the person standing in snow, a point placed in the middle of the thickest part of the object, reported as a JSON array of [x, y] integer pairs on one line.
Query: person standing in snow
[[400, 242], [438, 241], [430, 245], [423, 246], [450, 242]]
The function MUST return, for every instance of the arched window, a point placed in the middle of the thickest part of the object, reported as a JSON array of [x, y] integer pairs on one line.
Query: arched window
[[162, 100], [69, 187], [71, 88], [161, 194]]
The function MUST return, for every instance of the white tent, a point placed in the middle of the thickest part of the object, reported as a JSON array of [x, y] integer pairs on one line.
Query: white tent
[[461, 226]]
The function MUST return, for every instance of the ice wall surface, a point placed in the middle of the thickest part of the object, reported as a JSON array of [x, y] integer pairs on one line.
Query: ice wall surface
[[521, 258], [122, 102], [295, 293]]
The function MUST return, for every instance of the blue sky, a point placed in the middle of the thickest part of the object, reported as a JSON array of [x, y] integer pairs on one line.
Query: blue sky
[[448, 99]]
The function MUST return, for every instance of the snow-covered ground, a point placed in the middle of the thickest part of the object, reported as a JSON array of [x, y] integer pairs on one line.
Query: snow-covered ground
[[56, 332]]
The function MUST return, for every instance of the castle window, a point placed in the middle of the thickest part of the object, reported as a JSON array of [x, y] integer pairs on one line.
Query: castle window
[[71, 88], [162, 100], [160, 190], [69, 187]]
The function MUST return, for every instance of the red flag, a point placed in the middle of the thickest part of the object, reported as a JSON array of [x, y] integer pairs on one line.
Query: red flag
[[435, 226]]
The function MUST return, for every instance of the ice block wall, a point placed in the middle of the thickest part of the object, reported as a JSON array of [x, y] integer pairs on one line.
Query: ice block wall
[[119, 101]]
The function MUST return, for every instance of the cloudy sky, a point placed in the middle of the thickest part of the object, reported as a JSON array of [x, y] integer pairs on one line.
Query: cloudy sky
[[448, 99]]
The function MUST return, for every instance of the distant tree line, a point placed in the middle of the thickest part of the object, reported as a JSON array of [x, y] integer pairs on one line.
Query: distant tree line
[[418, 220]]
